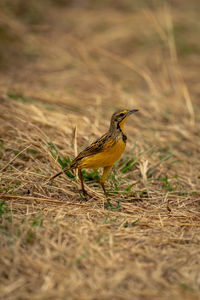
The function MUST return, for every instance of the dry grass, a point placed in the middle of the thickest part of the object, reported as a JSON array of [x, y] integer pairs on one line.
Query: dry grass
[[84, 62]]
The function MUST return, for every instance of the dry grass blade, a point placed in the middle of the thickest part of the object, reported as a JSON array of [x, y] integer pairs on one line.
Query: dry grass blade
[[30, 198], [18, 154]]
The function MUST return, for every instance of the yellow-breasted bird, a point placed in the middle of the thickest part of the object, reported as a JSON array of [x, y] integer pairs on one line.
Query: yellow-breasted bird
[[105, 151]]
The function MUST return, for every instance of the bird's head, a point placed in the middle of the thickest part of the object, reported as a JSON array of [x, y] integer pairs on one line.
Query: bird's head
[[120, 117]]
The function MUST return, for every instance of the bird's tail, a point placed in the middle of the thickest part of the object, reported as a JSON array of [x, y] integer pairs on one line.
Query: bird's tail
[[64, 170]]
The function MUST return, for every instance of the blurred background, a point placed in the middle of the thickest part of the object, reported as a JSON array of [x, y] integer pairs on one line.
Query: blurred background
[[83, 51]]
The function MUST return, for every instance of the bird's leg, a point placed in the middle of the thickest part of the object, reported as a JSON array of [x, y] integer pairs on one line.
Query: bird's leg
[[103, 187], [106, 170], [82, 184]]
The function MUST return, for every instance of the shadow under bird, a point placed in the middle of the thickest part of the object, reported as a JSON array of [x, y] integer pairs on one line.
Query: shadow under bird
[[104, 152]]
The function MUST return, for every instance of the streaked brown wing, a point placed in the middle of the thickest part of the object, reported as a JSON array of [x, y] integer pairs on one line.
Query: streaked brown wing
[[94, 148]]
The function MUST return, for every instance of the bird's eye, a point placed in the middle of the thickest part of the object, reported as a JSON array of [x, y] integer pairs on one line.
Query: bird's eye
[[121, 115]]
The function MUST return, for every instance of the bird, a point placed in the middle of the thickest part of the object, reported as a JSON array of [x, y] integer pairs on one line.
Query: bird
[[104, 152]]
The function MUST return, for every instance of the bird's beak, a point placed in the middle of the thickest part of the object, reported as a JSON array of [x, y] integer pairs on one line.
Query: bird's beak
[[131, 112]]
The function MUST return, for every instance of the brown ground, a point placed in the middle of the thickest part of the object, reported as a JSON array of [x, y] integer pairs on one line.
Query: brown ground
[[65, 67]]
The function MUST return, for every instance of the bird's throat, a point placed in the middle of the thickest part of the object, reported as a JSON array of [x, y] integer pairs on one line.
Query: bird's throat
[[121, 124], [120, 127]]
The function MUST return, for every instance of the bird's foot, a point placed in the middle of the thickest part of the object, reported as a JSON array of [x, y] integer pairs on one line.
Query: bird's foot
[[107, 195], [85, 194]]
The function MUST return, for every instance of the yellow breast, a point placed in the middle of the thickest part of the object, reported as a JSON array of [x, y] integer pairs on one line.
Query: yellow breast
[[107, 157]]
